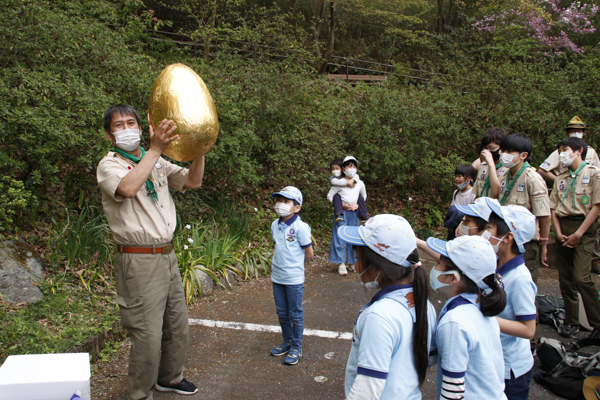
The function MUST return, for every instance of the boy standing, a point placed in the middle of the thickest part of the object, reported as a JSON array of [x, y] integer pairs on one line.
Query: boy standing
[[575, 204], [489, 169], [522, 186], [293, 246]]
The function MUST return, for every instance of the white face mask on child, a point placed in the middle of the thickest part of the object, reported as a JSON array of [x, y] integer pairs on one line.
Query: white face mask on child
[[350, 172], [282, 209], [336, 173], [565, 158]]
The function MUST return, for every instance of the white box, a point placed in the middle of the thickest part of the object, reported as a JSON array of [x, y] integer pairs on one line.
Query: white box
[[45, 376]]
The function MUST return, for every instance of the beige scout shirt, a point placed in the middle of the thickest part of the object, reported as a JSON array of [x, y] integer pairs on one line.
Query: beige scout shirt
[[482, 175], [587, 192], [529, 191], [138, 220], [552, 163]]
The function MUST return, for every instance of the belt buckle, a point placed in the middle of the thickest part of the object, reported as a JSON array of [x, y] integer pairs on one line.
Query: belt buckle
[[167, 249]]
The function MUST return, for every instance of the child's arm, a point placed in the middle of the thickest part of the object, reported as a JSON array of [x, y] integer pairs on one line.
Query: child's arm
[[308, 253], [332, 192], [522, 329], [366, 388], [574, 239], [363, 190], [338, 181], [422, 245]]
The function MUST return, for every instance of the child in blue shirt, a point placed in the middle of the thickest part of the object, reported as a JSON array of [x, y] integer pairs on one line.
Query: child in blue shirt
[[293, 246], [393, 333], [509, 229], [471, 363]]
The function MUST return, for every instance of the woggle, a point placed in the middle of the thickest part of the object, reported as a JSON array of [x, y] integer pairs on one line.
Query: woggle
[[180, 95]]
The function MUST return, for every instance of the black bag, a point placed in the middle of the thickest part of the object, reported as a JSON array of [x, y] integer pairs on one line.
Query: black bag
[[551, 310], [566, 369]]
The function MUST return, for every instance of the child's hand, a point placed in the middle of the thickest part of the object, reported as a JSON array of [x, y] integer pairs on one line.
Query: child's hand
[[350, 183], [573, 240]]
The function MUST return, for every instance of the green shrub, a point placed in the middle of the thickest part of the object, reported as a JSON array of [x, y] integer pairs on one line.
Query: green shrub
[[14, 201]]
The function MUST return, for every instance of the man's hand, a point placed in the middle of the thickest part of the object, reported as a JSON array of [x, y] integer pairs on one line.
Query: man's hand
[[573, 240], [160, 139], [350, 183], [349, 207], [486, 156]]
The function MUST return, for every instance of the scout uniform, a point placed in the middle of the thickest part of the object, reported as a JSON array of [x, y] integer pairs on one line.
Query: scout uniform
[[481, 188], [149, 288], [528, 189], [573, 196]]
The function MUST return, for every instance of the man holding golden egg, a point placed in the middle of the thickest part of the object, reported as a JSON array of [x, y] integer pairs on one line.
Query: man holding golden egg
[[141, 215]]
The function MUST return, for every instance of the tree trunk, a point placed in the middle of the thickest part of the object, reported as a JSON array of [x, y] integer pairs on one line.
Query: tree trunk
[[212, 27], [450, 7], [330, 38], [441, 18], [292, 7], [319, 10]]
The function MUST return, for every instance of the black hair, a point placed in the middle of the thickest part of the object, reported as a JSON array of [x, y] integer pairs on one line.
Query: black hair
[[337, 162], [481, 223], [466, 170], [122, 109], [391, 273], [492, 304], [503, 229], [296, 203], [575, 144], [493, 135], [345, 164], [518, 142]]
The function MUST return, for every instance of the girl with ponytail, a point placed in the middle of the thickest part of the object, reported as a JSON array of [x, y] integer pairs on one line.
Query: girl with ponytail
[[393, 332], [470, 359]]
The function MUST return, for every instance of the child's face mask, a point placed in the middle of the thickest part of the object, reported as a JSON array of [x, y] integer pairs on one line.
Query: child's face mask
[[350, 172], [435, 274], [566, 157], [336, 173]]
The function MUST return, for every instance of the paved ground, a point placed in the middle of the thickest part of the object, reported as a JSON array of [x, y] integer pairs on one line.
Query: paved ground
[[235, 364]]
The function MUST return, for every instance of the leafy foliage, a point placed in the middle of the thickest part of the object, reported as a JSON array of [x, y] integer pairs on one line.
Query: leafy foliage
[[14, 201]]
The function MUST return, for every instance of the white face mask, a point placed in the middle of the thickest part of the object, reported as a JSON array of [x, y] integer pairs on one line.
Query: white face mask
[[336, 173], [373, 285], [578, 135], [434, 274], [282, 209], [507, 160], [350, 172], [464, 230], [486, 235], [127, 139], [565, 158], [463, 185]]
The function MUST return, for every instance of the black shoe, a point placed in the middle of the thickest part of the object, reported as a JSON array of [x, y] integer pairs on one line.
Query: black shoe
[[339, 218], [184, 387], [595, 334], [568, 331]]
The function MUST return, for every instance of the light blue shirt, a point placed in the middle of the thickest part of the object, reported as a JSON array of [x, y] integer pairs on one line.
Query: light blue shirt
[[290, 238], [382, 346], [520, 306], [469, 346]]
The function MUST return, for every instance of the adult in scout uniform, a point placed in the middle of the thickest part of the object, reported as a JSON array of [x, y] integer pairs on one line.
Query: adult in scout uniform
[[141, 215], [488, 166], [575, 204], [524, 187], [552, 167]]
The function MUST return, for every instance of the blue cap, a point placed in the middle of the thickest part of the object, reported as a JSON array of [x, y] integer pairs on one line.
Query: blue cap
[[473, 255], [520, 221], [388, 235], [479, 208], [290, 192]]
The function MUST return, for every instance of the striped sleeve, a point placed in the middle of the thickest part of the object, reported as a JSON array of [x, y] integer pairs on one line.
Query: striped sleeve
[[453, 385]]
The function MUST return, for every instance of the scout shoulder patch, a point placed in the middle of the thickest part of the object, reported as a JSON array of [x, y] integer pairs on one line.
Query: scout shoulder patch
[[521, 187], [585, 179], [539, 193], [585, 200], [545, 165]]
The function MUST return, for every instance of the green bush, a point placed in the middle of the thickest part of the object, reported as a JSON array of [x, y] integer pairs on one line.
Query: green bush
[[14, 201]]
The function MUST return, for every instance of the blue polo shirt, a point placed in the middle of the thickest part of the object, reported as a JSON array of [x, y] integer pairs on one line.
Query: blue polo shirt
[[290, 238], [469, 346], [520, 306], [382, 345]]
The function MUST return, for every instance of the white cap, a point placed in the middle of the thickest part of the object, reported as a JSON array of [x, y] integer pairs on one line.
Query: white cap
[[520, 221], [290, 192], [350, 158], [388, 235], [473, 255], [479, 208]]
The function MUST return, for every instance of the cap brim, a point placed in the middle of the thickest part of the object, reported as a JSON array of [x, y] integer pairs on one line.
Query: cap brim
[[466, 210], [496, 209], [286, 195], [437, 245], [349, 234]]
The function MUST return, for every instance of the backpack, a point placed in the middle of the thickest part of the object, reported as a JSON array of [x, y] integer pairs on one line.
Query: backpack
[[551, 310], [565, 369]]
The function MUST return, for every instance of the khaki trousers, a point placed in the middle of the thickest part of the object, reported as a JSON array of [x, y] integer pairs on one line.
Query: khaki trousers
[[152, 303], [532, 259], [574, 274]]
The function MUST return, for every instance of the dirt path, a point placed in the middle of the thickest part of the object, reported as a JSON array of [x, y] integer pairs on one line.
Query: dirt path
[[235, 364]]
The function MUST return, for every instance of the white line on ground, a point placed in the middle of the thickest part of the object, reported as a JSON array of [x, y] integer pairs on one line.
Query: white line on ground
[[267, 328]]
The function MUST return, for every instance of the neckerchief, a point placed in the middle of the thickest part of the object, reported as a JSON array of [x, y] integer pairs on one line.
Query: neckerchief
[[509, 186], [486, 186], [134, 159], [572, 183]]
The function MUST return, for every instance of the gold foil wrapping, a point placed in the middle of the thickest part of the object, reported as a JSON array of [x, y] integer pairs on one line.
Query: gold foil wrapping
[[179, 94]]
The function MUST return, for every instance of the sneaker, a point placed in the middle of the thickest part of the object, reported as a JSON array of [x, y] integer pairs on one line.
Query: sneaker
[[595, 334], [280, 350], [293, 357], [339, 218], [342, 269], [568, 331], [364, 219], [184, 387], [596, 265], [351, 268]]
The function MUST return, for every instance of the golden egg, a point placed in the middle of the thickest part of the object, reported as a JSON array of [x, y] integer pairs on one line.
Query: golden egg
[[180, 95]]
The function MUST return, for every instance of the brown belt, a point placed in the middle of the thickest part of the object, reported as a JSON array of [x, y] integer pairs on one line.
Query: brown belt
[[166, 249]]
